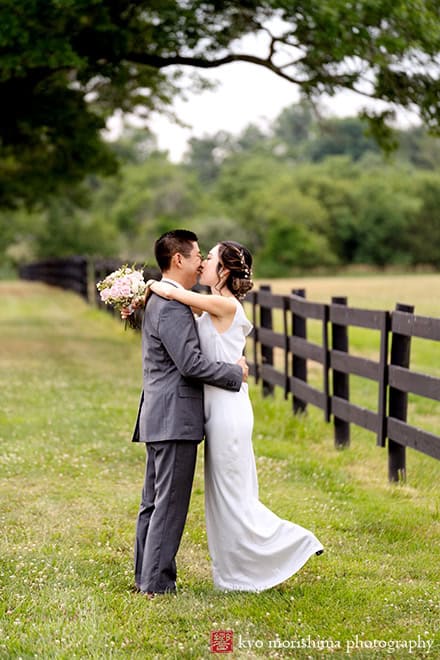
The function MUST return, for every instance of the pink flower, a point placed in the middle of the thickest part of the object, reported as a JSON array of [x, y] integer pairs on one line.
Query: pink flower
[[122, 287]]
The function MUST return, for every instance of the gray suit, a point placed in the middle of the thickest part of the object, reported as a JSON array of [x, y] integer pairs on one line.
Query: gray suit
[[170, 422]]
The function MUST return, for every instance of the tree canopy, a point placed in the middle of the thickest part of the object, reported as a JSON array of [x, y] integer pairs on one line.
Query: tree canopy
[[295, 203], [67, 65]]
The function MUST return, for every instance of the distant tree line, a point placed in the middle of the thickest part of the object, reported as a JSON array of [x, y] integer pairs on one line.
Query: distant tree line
[[302, 194]]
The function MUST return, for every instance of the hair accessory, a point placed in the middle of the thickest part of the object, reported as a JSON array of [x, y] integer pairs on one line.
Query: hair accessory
[[244, 267]]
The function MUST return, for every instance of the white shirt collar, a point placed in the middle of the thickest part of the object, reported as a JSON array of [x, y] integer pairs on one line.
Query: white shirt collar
[[170, 281]]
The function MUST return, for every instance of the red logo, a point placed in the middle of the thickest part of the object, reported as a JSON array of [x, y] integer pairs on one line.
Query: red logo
[[222, 641]]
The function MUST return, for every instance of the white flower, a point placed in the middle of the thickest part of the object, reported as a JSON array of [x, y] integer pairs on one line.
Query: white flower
[[122, 288]]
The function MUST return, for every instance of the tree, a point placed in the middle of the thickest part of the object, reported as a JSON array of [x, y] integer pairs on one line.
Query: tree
[[290, 248], [242, 182], [424, 227], [332, 183], [419, 148], [293, 128], [341, 136], [66, 66], [206, 154], [294, 124], [294, 238], [135, 145], [385, 211]]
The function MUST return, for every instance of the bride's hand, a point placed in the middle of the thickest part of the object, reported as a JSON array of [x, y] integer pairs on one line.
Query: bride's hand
[[148, 291], [162, 289], [244, 367]]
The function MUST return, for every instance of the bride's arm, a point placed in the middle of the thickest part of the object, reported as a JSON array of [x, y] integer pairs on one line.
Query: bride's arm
[[219, 306]]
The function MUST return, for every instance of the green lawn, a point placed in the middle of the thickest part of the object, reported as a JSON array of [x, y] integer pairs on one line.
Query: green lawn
[[70, 483]]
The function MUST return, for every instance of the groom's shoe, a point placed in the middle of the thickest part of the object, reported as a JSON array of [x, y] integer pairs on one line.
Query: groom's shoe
[[319, 552], [152, 594]]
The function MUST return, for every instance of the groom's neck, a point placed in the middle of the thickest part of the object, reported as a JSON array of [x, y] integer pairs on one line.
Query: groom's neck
[[176, 276]]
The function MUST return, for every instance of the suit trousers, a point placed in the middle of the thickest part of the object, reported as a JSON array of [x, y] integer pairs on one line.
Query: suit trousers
[[162, 514]]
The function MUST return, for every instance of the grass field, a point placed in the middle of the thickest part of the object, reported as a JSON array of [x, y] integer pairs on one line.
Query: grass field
[[70, 482], [381, 293], [377, 291]]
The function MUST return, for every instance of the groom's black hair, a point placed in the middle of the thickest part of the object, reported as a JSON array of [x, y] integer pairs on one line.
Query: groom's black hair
[[172, 242]]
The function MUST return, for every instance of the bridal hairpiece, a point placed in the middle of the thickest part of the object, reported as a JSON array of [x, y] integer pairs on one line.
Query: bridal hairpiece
[[244, 267]]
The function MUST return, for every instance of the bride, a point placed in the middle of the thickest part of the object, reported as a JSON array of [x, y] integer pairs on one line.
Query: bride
[[251, 548]]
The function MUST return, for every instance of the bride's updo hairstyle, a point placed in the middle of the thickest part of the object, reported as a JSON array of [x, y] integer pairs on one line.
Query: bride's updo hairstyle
[[238, 260]]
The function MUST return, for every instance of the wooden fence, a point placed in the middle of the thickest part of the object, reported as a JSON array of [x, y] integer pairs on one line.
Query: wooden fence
[[70, 273], [78, 274], [391, 371]]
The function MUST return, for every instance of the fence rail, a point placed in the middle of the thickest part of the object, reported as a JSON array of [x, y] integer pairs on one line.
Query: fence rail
[[69, 273], [78, 274], [392, 373]]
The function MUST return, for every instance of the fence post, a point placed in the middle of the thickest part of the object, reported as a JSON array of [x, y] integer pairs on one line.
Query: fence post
[[398, 400], [341, 387], [253, 298], [90, 278], [326, 364], [266, 351], [383, 380], [299, 364]]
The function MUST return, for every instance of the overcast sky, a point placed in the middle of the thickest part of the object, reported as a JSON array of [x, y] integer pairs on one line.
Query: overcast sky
[[246, 93]]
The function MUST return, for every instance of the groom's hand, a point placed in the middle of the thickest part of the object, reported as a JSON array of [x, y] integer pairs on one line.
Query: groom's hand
[[244, 367]]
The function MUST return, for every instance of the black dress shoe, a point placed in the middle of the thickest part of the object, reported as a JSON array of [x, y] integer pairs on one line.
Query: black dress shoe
[[319, 552]]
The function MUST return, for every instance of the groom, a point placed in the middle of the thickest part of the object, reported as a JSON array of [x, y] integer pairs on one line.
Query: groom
[[170, 417]]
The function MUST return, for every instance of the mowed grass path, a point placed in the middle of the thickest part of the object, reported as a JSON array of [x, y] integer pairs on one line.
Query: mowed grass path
[[70, 482]]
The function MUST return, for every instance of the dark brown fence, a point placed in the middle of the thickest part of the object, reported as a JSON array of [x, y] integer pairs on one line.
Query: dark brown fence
[[78, 274], [395, 380], [69, 273], [391, 372]]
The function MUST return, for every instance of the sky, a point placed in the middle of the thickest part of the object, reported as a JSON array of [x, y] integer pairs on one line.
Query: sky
[[246, 93]]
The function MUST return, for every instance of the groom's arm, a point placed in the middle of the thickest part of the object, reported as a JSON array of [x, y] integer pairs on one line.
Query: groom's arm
[[179, 336]]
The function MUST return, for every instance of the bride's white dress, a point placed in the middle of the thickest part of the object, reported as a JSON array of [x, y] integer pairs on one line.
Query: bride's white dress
[[251, 548]]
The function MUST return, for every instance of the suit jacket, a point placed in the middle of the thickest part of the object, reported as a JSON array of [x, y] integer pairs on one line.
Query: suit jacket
[[174, 371]]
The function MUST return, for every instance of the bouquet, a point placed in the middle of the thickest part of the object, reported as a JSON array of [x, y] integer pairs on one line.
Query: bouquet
[[125, 287]]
